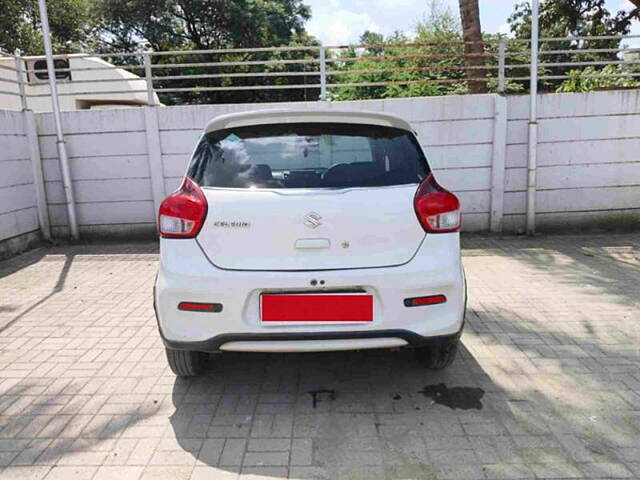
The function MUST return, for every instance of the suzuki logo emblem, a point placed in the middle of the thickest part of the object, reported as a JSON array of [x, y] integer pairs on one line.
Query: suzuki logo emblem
[[312, 220]]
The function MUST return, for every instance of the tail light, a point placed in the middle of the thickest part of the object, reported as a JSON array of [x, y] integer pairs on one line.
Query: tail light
[[438, 210], [183, 212]]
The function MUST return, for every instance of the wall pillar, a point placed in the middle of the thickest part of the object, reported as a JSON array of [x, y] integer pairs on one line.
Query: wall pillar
[[154, 156], [31, 131], [498, 163]]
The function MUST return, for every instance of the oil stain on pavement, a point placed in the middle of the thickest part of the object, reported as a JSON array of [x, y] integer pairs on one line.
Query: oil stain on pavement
[[321, 394], [464, 398]]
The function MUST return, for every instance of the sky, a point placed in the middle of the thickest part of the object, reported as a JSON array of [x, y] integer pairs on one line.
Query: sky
[[337, 22]]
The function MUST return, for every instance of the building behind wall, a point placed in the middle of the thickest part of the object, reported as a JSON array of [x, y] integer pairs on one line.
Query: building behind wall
[[90, 84]]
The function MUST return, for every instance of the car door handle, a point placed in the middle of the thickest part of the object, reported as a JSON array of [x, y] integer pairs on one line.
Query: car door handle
[[312, 243]]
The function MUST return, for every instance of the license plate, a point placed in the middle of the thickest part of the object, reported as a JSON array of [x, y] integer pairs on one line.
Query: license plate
[[317, 308]]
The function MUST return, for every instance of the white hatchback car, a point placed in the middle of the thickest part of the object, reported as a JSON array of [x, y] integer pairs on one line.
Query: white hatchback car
[[308, 231]]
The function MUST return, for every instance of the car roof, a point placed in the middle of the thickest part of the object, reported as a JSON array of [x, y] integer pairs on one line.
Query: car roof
[[269, 117]]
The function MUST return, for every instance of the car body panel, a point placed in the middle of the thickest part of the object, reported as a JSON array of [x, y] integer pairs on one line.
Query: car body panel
[[269, 229], [186, 275], [271, 116]]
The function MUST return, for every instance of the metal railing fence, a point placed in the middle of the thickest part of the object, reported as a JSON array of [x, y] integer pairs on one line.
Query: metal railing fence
[[326, 72]]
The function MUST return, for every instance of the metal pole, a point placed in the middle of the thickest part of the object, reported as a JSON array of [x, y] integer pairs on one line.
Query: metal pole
[[533, 123], [501, 73], [60, 143], [148, 75], [323, 74], [20, 75]]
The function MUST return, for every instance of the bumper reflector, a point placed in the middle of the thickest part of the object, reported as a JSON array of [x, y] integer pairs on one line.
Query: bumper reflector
[[419, 301], [200, 307]]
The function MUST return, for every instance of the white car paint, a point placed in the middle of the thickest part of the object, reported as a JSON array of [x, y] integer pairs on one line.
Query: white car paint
[[357, 229], [267, 117], [187, 275]]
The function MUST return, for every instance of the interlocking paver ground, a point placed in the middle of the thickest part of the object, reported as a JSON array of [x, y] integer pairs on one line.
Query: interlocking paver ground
[[552, 340]]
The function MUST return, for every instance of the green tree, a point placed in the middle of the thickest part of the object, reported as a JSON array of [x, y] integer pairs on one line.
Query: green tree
[[200, 24], [587, 80], [561, 18], [126, 25], [71, 23], [430, 64], [571, 18], [473, 45]]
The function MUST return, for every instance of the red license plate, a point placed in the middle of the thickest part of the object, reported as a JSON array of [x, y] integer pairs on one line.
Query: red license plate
[[316, 308]]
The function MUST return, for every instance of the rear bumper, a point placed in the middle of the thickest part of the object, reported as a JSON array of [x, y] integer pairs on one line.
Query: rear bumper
[[186, 275], [251, 341]]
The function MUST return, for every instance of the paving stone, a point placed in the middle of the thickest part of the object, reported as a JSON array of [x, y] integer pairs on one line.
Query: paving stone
[[24, 473], [310, 473], [166, 473], [266, 458], [606, 470], [269, 445], [233, 452], [71, 473], [302, 451], [551, 338], [210, 473], [507, 471], [182, 457], [454, 472], [119, 473], [555, 470], [209, 453], [263, 473]]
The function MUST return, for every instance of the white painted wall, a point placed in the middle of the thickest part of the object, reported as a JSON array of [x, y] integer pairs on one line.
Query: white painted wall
[[109, 167], [588, 159], [18, 212], [589, 156]]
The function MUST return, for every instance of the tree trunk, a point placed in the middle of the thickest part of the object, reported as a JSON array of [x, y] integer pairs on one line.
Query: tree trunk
[[473, 47]]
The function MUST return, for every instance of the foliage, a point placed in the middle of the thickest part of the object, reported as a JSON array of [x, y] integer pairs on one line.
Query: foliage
[[430, 68], [590, 79], [561, 18], [199, 24], [221, 76], [433, 61], [71, 23], [205, 25], [571, 18], [427, 62], [516, 54]]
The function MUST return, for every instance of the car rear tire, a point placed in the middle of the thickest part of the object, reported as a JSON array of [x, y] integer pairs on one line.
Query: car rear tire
[[185, 363], [439, 356]]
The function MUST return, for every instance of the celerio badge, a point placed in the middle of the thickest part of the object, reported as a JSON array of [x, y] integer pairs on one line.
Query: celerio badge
[[312, 220], [231, 224]]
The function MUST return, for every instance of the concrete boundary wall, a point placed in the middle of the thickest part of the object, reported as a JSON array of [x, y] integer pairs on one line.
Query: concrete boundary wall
[[124, 161], [588, 172], [18, 210]]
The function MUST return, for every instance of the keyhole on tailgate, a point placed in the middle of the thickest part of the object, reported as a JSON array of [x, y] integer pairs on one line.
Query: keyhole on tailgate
[[315, 282]]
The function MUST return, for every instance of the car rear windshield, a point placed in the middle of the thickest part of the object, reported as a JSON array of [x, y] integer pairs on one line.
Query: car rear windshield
[[309, 155]]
